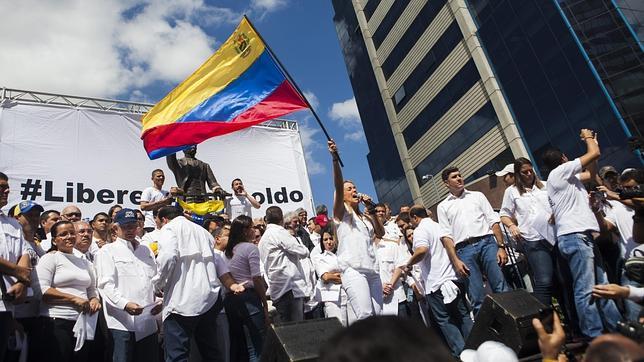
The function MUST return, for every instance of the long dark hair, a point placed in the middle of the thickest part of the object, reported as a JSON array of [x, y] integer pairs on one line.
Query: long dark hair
[[238, 233], [328, 230], [518, 182]]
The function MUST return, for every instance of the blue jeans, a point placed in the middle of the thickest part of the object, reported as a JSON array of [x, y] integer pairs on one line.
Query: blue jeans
[[540, 258], [453, 319], [127, 349], [480, 258], [631, 308], [178, 330], [247, 325], [587, 270]]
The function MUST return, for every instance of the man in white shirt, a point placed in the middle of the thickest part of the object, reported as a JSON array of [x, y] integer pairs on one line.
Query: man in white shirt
[[478, 246], [154, 198], [15, 266], [280, 254], [445, 293], [190, 276], [617, 216], [240, 202], [574, 222], [125, 269]]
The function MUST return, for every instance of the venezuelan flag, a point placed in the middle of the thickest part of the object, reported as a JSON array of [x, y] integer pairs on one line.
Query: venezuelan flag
[[237, 87]]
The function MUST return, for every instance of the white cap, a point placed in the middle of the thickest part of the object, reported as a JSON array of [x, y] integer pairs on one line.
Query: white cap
[[490, 351], [509, 168]]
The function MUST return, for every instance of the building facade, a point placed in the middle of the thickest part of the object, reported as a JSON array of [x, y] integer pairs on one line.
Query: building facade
[[478, 83]]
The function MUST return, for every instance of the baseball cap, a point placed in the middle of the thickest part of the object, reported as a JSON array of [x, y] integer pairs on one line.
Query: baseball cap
[[125, 216], [509, 168], [490, 351], [606, 170], [25, 206]]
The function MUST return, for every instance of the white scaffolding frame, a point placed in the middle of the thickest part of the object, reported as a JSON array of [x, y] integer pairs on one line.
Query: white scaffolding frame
[[10, 96]]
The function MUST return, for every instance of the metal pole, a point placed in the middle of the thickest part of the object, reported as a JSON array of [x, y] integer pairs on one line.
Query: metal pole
[[290, 79]]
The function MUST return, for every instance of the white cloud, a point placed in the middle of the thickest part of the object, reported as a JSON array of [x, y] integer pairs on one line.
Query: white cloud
[[346, 114], [356, 136], [267, 5], [312, 98], [311, 142], [105, 47]]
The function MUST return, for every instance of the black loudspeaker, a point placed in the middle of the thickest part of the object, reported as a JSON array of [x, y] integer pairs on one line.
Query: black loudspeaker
[[507, 318], [298, 341]]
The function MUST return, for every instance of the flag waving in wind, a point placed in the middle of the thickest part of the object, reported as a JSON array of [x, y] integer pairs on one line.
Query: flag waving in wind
[[239, 86]]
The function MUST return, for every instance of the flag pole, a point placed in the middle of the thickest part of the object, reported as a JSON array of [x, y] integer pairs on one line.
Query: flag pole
[[297, 88]]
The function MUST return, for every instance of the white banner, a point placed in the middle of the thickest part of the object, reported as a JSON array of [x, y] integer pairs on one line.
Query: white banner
[[57, 156]]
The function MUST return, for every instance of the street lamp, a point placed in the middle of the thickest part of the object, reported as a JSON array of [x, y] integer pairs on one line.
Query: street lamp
[[431, 178]]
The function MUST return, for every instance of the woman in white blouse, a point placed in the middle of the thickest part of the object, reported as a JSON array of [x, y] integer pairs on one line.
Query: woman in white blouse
[[329, 286], [68, 287], [527, 203], [356, 233], [250, 308]]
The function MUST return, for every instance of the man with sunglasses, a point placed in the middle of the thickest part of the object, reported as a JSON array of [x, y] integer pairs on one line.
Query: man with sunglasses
[[71, 213]]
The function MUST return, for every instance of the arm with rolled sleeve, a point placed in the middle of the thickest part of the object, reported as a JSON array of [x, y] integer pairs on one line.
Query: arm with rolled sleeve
[[443, 220], [166, 259], [107, 275]]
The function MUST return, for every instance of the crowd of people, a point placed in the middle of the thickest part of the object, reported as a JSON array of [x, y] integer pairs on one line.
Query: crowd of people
[[153, 284]]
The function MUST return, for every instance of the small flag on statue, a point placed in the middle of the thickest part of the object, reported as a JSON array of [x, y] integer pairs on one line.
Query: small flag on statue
[[239, 86]]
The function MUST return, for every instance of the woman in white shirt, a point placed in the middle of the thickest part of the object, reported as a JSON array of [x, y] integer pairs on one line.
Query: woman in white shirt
[[356, 254], [68, 287], [527, 203], [329, 286], [250, 308]]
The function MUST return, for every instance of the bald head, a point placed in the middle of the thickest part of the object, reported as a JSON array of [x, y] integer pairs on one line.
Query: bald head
[[71, 213]]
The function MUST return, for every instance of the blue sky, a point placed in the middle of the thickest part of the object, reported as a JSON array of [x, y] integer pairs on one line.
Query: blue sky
[[140, 50]]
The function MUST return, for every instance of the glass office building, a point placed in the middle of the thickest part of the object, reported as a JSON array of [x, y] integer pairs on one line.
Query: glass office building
[[478, 83]]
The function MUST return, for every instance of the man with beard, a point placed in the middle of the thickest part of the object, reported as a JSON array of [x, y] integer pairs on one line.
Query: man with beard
[[240, 202]]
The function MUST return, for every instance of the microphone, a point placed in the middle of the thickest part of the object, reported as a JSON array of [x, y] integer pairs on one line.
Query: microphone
[[368, 203]]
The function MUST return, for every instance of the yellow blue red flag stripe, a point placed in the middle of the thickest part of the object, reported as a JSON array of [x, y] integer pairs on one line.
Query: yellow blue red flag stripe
[[239, 86]]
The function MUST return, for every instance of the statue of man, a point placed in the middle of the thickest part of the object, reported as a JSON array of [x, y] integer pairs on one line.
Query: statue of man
[[192, 174]]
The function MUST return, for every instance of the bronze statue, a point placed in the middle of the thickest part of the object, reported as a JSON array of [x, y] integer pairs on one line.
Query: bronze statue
[[192, 174]]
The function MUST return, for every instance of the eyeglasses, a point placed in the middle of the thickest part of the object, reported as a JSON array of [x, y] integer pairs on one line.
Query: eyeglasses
[[4, 187], [74, 214]]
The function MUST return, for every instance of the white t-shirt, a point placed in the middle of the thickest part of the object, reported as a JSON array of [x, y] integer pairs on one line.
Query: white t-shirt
[[150, 195], [621, 216], [355, 246], [435, 268], [569, 200], [238, 205], [68, 274]]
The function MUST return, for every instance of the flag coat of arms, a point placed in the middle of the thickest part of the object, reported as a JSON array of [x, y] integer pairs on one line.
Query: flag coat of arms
[[239, 86]]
